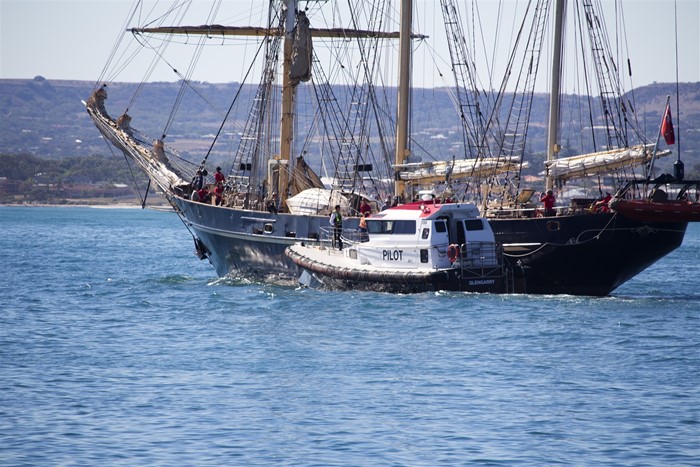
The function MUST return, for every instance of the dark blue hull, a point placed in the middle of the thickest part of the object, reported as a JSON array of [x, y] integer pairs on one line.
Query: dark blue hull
[[584, 254], [251, 242]]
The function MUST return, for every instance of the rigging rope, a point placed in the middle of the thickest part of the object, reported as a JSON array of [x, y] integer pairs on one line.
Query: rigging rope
[[131, 171], [115, 47], [228, 112]]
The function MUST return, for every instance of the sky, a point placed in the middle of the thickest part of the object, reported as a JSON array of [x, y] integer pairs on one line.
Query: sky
[[71, 39]]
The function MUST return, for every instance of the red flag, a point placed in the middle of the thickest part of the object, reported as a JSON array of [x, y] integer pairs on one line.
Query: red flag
[[667, 127]]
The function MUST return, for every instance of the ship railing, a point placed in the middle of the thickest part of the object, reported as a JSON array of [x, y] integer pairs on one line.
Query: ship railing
[[510, 212], [480, 254], [519, 212], [348, 236], [481, 260], [577, 206], [663, 188]]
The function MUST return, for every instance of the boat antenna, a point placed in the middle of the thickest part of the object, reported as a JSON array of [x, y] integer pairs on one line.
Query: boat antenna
[[678, 165]]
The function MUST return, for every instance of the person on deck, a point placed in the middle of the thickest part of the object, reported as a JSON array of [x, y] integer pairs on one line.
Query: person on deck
[[362, 228], [602, 204], [219, 193], [336, 221], [198, 180], [218, 176], [204, 196], [273, 204], [547, 199], [365, 208], [387, 204]]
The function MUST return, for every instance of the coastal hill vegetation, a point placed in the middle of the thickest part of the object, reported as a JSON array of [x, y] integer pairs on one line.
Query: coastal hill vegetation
[[26, 178], [47, 139]]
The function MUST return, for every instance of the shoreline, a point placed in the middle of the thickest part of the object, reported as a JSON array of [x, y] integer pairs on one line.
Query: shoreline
[[158, 207], [113, 203]]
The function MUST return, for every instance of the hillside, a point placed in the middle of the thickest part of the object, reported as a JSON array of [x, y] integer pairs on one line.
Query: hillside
[[46, 118]]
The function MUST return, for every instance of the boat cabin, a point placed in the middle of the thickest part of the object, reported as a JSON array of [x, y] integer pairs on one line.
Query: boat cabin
[[427, 235]]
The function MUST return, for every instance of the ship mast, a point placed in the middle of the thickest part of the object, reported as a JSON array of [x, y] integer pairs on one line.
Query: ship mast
[[288, 90], [402, 149], [554, 93]]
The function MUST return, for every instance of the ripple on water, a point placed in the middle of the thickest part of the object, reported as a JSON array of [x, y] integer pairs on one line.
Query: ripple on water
[[118, 349]]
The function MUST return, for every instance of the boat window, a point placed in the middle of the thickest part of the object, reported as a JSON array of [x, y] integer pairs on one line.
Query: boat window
[[440, 226], [405, 227], [400, 227], [473, 224], [425, 234], [424, 256]]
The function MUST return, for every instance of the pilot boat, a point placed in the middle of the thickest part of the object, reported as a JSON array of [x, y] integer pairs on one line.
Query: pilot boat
[[415, 247]]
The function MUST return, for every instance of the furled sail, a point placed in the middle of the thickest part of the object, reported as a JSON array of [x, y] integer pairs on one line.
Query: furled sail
[[600, 163], [428, 172], [154, 161], [301, 52]]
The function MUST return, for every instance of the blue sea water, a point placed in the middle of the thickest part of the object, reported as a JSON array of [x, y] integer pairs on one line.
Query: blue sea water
[[119, 347]]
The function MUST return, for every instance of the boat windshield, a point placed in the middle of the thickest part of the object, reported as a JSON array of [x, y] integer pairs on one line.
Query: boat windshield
[[473, 224], [400, 227]]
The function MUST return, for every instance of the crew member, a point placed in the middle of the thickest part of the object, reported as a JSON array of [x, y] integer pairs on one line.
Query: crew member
[[365, 208], [273, 204], [204, 195], [198, 180], [336, 221], [548, 200], [362, 228], [602, 204], [219, 193], [218, 176]]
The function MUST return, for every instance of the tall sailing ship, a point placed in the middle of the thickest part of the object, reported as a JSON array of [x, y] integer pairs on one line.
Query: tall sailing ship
[[271, 196]]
